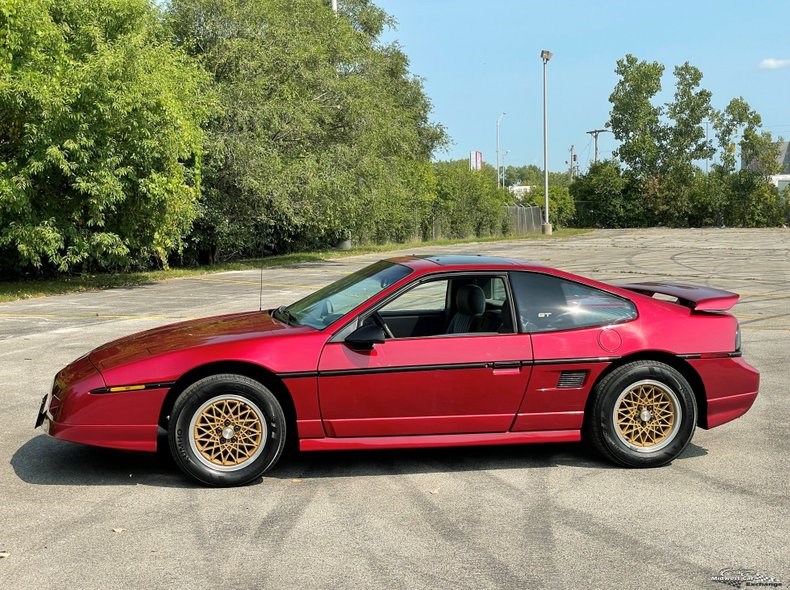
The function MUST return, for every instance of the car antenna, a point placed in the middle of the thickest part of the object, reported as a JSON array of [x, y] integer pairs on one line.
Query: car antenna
[[260, 293]]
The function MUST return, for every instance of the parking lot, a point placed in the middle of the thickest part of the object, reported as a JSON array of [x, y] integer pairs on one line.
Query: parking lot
[[541, 516]]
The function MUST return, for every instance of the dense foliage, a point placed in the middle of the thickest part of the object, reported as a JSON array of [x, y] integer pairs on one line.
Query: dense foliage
[[100, 137], [140, 133], [137, 133], [321, 132], [562, 209], [467, 203], [657, 178], [531, 175]]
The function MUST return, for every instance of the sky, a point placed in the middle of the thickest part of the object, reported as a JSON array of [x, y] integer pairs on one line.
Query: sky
[[480, 58]]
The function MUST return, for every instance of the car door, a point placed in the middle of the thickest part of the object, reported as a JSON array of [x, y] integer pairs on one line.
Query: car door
[[424, 381], [575, 336]]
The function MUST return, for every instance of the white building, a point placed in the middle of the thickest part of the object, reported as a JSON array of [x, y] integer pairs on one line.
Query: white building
[[782, 180], [519, 191]]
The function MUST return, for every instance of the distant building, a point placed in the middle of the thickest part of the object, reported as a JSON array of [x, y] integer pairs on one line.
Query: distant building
[[519, 191], [782, 180]]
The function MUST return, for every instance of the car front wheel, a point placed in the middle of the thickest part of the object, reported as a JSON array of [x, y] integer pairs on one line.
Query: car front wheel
[[226, 430], [643, 414]]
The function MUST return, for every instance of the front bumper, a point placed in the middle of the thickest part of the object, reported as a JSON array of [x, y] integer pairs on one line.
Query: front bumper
[[74, 411], [127, 437]]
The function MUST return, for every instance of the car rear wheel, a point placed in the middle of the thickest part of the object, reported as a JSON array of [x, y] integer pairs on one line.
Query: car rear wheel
[[643, 414], [226, 430]]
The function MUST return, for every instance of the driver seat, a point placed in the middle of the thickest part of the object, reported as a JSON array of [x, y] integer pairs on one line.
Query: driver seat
[[470, 301]]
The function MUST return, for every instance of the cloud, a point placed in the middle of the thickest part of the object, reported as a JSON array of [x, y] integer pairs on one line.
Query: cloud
[[771, 63]]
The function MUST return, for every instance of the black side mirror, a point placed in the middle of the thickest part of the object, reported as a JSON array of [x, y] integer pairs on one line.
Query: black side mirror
[[364, 337]]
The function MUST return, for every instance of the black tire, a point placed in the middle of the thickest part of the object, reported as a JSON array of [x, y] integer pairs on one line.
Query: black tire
[[642, 414], [226, 430]]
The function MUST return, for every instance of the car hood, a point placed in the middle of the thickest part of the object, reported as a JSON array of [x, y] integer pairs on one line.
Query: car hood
[[191, 334]]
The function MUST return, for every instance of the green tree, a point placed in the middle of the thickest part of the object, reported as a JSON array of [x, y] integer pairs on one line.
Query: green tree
[[686, 143], [468, 202], [736, 117], [753, 202], [660, 143], [745, 197], [634, 120], [99, 135], [603, 197], [322, 132], [531, 175], [562, 209]]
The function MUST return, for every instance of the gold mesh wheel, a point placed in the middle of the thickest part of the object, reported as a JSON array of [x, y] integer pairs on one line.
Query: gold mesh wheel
[[647, 416], [227, 432]]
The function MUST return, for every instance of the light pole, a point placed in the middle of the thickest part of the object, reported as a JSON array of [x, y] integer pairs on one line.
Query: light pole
[[498, 121], [545, 55]]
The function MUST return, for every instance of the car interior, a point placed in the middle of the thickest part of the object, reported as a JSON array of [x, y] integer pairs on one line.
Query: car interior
[[463, 305]]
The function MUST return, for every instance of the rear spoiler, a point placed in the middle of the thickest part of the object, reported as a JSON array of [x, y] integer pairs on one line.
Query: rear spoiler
[[692, 296]]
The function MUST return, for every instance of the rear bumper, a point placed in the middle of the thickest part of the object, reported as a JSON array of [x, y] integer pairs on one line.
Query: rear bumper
[[731, 386], [725, 409]]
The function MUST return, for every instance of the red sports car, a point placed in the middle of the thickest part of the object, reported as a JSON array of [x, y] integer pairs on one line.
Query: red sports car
[[419, 351]]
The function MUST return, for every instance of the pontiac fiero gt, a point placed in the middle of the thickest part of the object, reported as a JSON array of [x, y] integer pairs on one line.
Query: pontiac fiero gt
[[418, 351]]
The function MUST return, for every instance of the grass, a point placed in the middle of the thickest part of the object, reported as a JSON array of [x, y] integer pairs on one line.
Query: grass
[[24, 289]]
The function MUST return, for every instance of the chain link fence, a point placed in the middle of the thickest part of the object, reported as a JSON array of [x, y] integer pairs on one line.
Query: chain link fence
[[523, 220], [516, 220]]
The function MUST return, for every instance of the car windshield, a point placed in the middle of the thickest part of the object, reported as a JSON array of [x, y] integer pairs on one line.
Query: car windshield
[[328, 304]]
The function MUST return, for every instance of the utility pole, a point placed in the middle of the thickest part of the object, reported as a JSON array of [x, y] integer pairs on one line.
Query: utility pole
[[572, 163], [595, 133]]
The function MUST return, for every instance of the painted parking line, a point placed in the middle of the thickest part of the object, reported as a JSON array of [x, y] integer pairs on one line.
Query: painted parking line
[[257, 283], [99, 316]]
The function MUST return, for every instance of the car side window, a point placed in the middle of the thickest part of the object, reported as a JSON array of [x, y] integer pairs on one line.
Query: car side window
[[471, 304], [430, 296], [547, 303], [495, 291]]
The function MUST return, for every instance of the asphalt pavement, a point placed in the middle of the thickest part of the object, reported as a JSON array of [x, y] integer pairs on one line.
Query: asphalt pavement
[[540, 516]]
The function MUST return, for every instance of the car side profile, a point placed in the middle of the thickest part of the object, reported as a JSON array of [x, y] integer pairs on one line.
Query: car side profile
[[418, 351]]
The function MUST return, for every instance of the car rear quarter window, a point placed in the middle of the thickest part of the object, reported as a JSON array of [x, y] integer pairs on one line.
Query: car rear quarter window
[[547, 303]]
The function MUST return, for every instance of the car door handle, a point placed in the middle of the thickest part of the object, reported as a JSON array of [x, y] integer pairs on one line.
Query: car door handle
[[507, 365]]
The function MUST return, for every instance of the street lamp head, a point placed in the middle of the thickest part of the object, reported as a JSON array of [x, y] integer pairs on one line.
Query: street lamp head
[[545, 55]]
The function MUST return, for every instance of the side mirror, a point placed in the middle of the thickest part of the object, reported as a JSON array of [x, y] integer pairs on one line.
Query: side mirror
[[364, 337]]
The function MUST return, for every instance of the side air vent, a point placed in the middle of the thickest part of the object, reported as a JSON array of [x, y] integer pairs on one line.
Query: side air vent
[[571, 379]]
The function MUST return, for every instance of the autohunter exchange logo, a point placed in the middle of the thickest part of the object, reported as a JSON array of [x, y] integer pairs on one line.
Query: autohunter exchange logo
[[740, 577]]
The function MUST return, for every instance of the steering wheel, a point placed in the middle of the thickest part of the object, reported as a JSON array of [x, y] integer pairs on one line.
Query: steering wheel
[[379, 321]]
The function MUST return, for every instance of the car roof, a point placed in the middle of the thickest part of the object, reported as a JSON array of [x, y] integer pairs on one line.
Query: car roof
[[463, 261]]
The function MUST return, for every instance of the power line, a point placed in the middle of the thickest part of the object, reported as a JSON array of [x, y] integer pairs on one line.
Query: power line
[[587, 153]]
